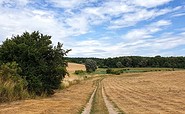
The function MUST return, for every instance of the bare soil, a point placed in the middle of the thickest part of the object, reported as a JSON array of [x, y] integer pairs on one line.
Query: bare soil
[[148, 93], [109, 105], [88, 106]]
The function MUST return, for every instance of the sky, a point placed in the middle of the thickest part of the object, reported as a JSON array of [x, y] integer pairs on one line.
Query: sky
[[101, 28]]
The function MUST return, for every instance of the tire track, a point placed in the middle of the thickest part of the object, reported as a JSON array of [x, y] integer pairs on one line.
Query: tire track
[[88, 107], [98, 102], [110, 107]]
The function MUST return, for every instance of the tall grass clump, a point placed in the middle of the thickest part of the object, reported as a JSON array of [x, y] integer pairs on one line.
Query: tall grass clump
[[12, 85]]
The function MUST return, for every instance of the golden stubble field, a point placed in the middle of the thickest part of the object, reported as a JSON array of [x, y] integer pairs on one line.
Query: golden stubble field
[[74, 66], [148, 93], [71, 69]]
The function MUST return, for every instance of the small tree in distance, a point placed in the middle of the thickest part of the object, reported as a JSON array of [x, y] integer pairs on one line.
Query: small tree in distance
[[119, 65], [90, 65]]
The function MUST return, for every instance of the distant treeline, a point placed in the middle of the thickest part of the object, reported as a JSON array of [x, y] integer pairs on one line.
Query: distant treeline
[[135, 61]]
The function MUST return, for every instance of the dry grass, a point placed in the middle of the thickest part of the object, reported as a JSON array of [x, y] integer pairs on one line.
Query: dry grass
[[67, 101], [155, 92]]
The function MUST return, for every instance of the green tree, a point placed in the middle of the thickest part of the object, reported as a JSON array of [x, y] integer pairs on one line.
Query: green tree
[[90, 65], [42, 65], [119, 65]]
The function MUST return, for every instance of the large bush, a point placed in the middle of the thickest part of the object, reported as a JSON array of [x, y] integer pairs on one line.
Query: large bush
[[90, 65], [42, 65]]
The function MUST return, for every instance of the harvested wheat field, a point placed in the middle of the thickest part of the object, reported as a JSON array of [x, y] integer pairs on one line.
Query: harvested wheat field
[[74, 66], [131, 93], [148, 93], [71, 69]]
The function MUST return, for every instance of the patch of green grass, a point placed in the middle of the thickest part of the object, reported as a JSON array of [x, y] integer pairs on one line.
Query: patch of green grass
[[100, 71], [137, 70], [146, 69]]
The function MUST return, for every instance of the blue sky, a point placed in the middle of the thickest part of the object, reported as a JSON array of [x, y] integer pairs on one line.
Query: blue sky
[[101, 28]]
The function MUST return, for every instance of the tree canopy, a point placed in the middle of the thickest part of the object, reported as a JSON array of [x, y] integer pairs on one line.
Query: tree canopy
[[135, 61], [90, 65], [43, 65]]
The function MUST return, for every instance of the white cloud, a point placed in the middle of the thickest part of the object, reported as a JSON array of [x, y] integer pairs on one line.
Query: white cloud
[[119, 13], [78, 25], [168, 43], [160, 23], [114, 8], [147, 31], [89, 43], [179, 14], [68, 19], [88, 48], [14, 3], [70, 4], [66, 3], [16, 21], [130, 19], [161, 45], [104, 12], [149, 3]]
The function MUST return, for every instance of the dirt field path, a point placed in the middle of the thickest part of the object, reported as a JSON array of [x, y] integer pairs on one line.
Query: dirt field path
[[109, 105], [99, 103], [88, 106]]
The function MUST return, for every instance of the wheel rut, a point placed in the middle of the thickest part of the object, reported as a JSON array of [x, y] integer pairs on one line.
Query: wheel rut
[[98, 102]]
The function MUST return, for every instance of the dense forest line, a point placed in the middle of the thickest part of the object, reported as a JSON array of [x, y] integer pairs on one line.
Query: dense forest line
[[135, 61]]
